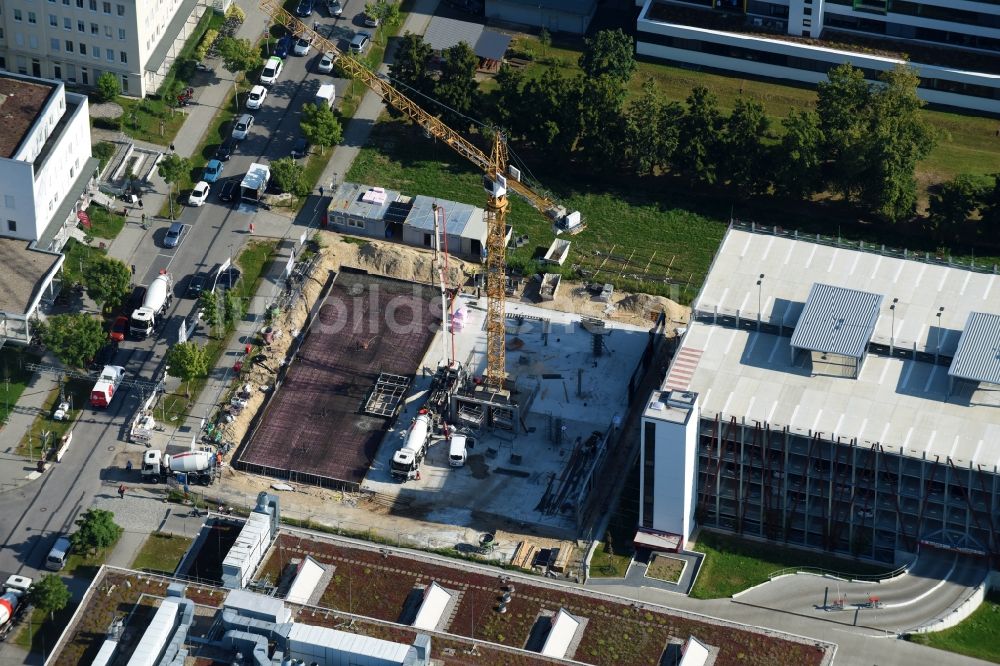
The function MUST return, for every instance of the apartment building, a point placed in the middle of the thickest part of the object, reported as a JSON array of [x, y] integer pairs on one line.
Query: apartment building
[[953, 44], [45, 168], [830, 397], [76, 41]]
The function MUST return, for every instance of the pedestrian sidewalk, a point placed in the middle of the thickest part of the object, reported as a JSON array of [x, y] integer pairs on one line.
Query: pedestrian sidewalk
[[15, 470]]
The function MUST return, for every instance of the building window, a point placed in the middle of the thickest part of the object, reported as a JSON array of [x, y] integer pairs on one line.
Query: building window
[[83, 49], [93, 5], [36, 67], [69, 46], [12, 226], [79, 4], [81, 26], [121, 10], [95, 29], [53, 20], [648, 472], [8, 201], [107, 31], [67, 23], [125, 83], [33, 43], [17, 15], [32, 18], [19, 40], [57, 71], [84, 76], [807, 11], [121, 34], [124, 58], [54, 45], [96, 52], [111, 55], [106, 7]]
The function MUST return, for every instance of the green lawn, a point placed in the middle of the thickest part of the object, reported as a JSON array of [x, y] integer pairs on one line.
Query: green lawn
[[976, 636], [78, 257], [967, 143], [668, 239], [253, 261], [104, 223], [161, 553], [39, 632], [608, 565], [14, 378], [733, 564], [46, 430]]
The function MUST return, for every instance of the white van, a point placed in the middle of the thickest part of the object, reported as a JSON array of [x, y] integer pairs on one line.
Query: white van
[[326, 95], [457, 453], [56, 559]]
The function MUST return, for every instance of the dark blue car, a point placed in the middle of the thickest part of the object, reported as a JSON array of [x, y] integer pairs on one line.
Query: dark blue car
[[304, 8], [284, 45]]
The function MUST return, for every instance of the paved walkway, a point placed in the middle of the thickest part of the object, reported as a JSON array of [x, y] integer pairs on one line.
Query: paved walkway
[[15, 470]]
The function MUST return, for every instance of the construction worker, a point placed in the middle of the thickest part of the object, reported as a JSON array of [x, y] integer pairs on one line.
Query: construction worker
[[121, 491]]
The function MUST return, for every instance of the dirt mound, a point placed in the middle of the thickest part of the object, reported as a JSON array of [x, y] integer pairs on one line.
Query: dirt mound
[[645, 306]]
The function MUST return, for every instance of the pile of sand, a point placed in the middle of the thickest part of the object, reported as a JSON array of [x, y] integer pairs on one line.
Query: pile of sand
[[647, 307], [405, 263]]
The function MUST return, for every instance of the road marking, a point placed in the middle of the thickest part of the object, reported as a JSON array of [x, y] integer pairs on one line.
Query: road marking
[[774, 349], [965, 284], [930, 378], [819, 415], [878, 262], [906, 441], [854, 266], [770, 414], [989, 285], [951, 454], [930, 442], [926, 593], [770, 242], [811, 255], [833, 260]]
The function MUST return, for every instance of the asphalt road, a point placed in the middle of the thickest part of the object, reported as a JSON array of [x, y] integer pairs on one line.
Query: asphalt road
[[33, 516]]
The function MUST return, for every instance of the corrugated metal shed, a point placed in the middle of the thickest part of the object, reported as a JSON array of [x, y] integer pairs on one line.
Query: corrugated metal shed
[[460, 219], [443, 33], [332, 647], [561, 634], [308, 577], [836, 320], [978, 355], [155, 638], [435, 601]]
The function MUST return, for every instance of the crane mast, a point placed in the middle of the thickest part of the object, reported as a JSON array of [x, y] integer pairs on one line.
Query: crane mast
[[495, 181]]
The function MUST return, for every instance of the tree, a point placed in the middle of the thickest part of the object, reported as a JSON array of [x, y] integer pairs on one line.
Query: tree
[[50, 594], [955, 201], [209, 302], [411, 64], [187, 361], [743, 152], [96, 530], [108, 282], [610, 52], [74, 338], [843, 106], [600, 131], [798, 159], [108, 86], [551, 110], [545, 39], [896, 138], [238, 55], [508, 103], [990, 208], [172, 169], [287, 174], [386, 12], [456, 89], [233, 308], [320, 126], [697, 155]]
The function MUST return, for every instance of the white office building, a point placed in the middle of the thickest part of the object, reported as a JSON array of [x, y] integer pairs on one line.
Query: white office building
[[45, 168], [78, 40], [953, 44]]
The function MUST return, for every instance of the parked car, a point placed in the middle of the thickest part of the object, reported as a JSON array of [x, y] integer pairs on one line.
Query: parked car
[[212, 171], [283, 46], [369, 20], [226, 150], [334, 7], [199, 194], [118, 329], [173, 237], [360, 42], [230, 190], [302, 47], [301, 148], [256, 97], [241, 129], [325, 65], [304, 8], [271, 71], [196, 285]]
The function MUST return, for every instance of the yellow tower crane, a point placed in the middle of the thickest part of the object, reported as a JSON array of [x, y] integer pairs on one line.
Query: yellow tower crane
[[496, 181]]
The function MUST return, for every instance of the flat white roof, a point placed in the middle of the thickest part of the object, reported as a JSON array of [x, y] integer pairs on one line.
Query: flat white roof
[[436, 599], [908, 405], [155, 638], [255, 531], [320, 642], [306, 580], [695, 653], [561, 634], [257, 605]]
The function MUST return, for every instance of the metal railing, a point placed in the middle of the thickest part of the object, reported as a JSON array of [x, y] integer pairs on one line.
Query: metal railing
[[819, 571]]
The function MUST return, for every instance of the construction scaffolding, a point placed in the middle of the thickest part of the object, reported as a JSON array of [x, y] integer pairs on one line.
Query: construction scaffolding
[[386, 395]]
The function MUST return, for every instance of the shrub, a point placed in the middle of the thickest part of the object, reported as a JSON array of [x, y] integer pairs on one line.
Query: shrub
[[234, 12], [205, 44], [104, 151]]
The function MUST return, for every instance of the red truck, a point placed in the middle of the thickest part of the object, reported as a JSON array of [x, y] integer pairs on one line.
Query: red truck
[[109, 381]]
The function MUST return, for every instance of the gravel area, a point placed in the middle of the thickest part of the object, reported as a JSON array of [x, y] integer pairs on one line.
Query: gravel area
[[106, 110]]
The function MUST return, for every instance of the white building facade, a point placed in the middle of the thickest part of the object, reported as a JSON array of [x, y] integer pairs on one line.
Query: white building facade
[[967, 25], [78, 40]]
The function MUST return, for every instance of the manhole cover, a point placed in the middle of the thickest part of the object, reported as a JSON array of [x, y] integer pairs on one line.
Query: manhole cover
[[111, 448], [43, 509]]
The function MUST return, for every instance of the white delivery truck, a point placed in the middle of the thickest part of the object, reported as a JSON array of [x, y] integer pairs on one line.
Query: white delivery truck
[[255, 183], [457, 450], [406, 461], [154, 306], [326, 95]]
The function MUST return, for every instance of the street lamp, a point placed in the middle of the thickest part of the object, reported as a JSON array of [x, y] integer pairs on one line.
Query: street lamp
[[892, 330], [759, 281], [937, 351]]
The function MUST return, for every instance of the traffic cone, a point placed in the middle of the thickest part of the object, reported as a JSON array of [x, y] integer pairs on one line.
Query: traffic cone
[[251, 228]]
